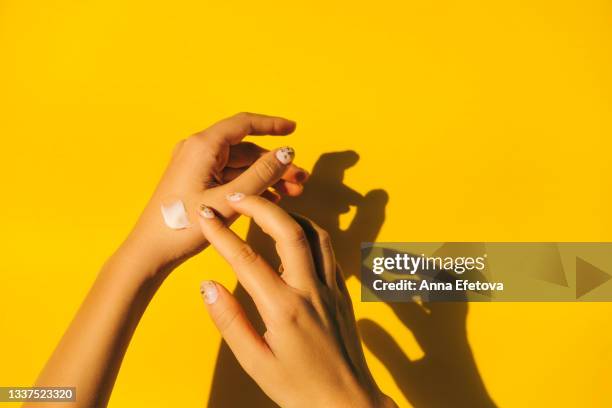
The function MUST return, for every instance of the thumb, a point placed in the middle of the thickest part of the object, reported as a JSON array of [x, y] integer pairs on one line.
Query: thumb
[[249, 348]]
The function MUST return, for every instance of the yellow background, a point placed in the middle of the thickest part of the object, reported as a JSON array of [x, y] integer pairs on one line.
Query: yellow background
[[483, 120]]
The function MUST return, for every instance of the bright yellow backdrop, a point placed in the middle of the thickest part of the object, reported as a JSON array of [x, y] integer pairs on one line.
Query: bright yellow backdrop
[[483, 120]]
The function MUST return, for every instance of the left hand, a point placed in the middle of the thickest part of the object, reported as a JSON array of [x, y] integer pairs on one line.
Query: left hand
[[204, 168]]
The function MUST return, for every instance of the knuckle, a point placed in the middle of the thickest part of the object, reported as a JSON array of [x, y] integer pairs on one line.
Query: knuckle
[[292, 311], [199, 147], [295, 235], [195, 142], [266, 172], [242, 120], [226, 318], [245, 255], [243, 115]]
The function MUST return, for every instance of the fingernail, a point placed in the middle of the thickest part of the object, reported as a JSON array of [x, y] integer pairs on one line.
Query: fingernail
[[206, 212], [234, 197], [209, 292], [301, 176], [285, 155]]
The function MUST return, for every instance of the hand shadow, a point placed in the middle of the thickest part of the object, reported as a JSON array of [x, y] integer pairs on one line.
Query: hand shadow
[[324, 199], [447, 375]]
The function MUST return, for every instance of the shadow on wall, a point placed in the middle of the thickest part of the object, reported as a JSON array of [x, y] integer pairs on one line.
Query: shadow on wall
[[446, 376]]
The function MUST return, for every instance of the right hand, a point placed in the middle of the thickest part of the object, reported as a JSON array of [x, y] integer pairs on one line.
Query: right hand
[[310, 355]]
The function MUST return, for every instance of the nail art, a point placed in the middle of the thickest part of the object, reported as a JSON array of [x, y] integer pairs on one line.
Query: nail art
[[206, 212], [285, 155], [209, 292], [234, 197]]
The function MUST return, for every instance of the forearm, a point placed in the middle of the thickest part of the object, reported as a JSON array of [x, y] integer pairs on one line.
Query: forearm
[[89, 355]]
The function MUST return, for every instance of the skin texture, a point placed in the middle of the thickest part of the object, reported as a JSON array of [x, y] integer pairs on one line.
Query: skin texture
[[310, 354], [204, 168]]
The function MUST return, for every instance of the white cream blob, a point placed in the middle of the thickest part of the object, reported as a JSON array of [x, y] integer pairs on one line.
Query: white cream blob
[[175, 215]]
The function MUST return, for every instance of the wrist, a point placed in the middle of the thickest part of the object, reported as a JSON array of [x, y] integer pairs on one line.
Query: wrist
[[156, 249], [137, 264]]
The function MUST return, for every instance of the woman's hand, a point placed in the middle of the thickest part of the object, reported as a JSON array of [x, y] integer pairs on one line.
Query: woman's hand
[[310, 355], [205, 168]]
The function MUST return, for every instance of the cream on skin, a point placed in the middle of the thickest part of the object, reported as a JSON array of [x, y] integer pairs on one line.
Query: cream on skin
[[175, 215]]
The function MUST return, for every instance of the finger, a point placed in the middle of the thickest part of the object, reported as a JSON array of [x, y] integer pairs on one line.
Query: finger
[[296, 174], [293, 174], [230, 173], [291, 242], [262, 174], [271, 196], [246, 153], [229, 317], [282, 186], [253, 272], [288, 188], [233, 129], [341, 282], [322, 251]]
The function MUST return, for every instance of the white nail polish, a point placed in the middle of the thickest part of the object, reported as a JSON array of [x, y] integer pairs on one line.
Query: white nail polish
[[234, 197], [206, 212], [209, 292], [285, 155], [175, 215]]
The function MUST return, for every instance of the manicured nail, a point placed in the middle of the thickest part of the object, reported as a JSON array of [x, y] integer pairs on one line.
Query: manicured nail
[[209, 292], [301, 176], [206, 212], [285, 155], [234, 197]]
